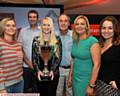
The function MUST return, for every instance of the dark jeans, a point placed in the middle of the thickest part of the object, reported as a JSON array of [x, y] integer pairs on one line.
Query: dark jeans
[[16, 88], [48, 88], [30, 81]]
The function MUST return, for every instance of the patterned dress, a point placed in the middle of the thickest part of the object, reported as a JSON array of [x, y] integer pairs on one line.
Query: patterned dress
[[46, 88]]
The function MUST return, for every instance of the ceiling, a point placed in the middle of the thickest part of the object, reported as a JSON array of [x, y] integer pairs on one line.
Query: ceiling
[[79, 6]]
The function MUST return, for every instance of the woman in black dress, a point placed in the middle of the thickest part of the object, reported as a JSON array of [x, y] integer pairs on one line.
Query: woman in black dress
[[47, 38], [110, 54]]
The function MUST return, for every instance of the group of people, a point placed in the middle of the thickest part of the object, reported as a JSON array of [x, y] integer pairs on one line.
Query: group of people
[[77, 60]]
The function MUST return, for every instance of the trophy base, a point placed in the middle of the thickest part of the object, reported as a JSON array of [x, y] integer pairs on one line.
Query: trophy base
[[45, 78]]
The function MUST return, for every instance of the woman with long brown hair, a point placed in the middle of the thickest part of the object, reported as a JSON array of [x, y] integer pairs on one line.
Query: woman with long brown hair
[[110, 53]]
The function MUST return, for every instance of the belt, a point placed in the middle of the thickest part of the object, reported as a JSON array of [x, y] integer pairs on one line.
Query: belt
[[65, 67]]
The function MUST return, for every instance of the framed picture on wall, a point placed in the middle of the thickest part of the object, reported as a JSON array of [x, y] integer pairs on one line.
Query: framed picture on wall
[[3, 15], [19, 12]]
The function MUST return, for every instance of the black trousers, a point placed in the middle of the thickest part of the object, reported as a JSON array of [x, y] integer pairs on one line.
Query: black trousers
[[30, 81], [48, 88]]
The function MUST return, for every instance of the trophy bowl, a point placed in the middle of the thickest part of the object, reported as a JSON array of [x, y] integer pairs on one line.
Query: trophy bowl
[[45, 54]]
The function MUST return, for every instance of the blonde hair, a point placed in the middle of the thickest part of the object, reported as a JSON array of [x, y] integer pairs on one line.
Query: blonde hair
[[53, 39], [75, 35], [2, 27]]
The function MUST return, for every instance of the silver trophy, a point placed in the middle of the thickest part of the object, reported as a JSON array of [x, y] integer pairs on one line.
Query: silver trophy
[[46, 54]]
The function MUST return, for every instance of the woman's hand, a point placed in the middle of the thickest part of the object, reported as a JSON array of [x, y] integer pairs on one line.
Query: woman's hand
[[90, 91], [40, 73], [3, 91], [113, 84], [51, 74]]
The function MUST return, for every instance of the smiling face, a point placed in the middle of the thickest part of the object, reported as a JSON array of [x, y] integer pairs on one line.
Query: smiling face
[[107, 29], [32, 18], [80, 26], [10, 28], [63, 22], [46, 26]]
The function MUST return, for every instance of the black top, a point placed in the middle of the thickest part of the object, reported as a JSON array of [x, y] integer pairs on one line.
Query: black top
[[110, 65], [38, 62]]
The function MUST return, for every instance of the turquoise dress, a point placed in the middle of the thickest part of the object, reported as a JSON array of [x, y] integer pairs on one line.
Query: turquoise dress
[[82, 65]]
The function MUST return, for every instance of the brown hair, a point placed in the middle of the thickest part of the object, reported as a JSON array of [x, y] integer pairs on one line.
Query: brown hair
[[33, 11], [116, 37], [64, 15]]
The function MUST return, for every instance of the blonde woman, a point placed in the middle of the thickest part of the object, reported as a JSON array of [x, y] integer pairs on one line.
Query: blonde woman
[[47, 36], [11, 58], [85, 58]]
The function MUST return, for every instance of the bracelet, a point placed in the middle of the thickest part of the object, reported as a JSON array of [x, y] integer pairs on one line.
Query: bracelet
[[92, 85]]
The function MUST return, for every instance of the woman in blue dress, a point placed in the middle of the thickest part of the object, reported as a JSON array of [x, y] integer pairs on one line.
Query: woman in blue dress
[[85, 59]]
